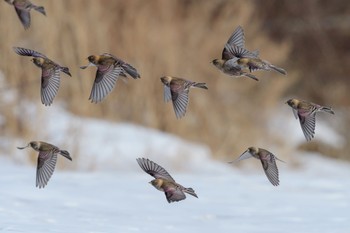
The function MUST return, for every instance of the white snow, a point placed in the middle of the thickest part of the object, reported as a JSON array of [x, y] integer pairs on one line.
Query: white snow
[[104, 189], [314, 198]]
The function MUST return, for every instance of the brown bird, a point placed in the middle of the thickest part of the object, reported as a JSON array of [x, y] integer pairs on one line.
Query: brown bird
[[164, 182], [23, 8], [306, 113], [109, 69], [250, 60], [228, 62], [255, 63], [237, 39], [229, 65], [268, 161], [46, 160], [177, 89], [50, 73]]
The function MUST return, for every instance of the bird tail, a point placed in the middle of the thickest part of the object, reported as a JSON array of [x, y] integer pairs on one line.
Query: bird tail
[[66, 70], [278, 69], [251, 76], [40, 9], [190, 191], [200, 85], [66, 154], [131, 71], [327, 109]]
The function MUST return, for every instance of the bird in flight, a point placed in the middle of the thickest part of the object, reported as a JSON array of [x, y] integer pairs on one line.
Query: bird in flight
[[46, 160], [164, 182]]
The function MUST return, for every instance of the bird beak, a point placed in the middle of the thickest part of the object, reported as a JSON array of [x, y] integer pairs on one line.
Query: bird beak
[[21, 148]]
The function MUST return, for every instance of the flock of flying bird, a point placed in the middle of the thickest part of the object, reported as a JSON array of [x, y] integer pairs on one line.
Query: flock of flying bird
[[236, 61]]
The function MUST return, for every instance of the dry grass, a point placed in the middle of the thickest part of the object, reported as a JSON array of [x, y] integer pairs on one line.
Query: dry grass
[[158, 37]]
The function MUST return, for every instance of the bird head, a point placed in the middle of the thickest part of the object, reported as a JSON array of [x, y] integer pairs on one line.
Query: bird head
[[38, 61], [166, 80], [33, 144], [93, 59], [217, 62], [293, 103], [253, 150], [157, 183]]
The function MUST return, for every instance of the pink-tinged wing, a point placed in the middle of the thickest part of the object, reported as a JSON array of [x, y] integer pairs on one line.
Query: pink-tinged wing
[[46, 166], [154, 169], [270, 167], [105, 81], [179, 96], [50, 83], [308, 124], [173, 194]]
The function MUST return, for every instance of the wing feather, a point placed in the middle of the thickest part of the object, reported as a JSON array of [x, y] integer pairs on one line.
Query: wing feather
[[154, 169], [308, 124], [28, 52], [104, 83], [270, 169], [50, 83], [46, 166]]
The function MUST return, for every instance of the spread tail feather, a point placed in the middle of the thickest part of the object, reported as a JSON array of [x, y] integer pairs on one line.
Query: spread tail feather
[[327, 109], [278, 69], [66, 70], [40, 9], [131, 71], [201, 85], [66, 154], [251, 76], [190, 191]]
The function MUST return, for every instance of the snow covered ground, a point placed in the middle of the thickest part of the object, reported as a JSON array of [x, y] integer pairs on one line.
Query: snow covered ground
[[104, 189], [315, 198]]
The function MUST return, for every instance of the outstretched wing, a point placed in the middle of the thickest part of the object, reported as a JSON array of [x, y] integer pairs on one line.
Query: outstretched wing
[[50, 83], [105, 81], [24, 17], [237, 37], [308, 124], [245, 155], [28, 52], [268, 162], [295, 113], [167, 93], [179, 96], [46, 166], [232, 51], [154, 169]]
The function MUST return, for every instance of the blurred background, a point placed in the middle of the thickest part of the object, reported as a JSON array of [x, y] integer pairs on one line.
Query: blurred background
[[310, 40]]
